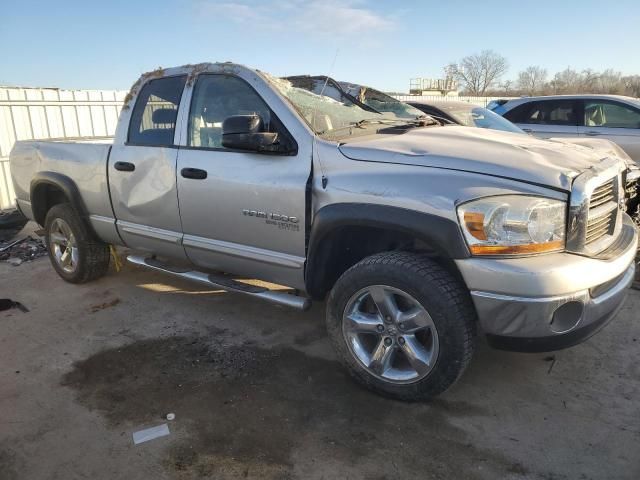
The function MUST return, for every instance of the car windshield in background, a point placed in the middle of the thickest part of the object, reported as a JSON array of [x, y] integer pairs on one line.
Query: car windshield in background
[[381, 102], [329, 112], [472, 116]]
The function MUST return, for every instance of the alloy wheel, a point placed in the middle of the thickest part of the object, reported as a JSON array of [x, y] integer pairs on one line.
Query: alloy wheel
[[390, 334], [63, 245]]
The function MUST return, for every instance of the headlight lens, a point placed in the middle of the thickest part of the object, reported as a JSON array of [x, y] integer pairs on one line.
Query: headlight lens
[[513, 224]]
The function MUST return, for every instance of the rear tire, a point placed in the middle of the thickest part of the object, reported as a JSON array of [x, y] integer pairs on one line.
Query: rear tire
[[75, 253], [402, 325]]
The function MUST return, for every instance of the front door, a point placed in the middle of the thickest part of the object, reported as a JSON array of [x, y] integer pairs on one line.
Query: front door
[[615, 121], [142, 172], [242, 212]]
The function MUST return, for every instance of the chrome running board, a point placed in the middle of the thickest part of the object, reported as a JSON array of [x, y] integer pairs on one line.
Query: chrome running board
[[224, 283]]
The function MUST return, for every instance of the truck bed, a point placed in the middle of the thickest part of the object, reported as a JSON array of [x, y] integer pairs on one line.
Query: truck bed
[[84, 160]]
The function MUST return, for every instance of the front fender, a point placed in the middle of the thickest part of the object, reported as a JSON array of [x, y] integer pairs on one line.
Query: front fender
[[441, 234]]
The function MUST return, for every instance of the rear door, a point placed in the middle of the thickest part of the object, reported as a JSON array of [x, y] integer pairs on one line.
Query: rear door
[[142, 171], [615, 121], [547, 118], [242, 212]]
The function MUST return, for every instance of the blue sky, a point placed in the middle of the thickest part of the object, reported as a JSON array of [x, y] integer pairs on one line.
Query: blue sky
[[107, 44]]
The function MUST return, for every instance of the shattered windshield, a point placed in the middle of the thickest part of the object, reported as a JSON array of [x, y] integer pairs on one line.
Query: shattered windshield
[[321, 86], [328, 111]]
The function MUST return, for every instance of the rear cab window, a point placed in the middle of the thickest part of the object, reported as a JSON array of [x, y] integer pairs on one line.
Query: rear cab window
[[153, 120]]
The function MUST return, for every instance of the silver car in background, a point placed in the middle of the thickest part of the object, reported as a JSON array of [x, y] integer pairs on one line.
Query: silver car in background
[[612, 117]]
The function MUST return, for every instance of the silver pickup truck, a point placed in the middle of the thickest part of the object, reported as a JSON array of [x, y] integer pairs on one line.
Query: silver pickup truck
[[415, 234]]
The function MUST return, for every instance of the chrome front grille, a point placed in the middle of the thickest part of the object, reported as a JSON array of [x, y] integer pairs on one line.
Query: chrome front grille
[[603, 194], [603, 211], [595, 208]]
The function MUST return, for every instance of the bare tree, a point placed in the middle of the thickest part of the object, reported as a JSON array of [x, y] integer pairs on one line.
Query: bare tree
[[532, 80], [610, 82], [480, 71], [571, 81], [479, 75], [589, 81], [632, 85]]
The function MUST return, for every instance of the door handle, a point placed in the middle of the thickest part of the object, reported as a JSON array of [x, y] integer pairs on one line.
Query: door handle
[[194, 173], [124, 166], [592, 133]]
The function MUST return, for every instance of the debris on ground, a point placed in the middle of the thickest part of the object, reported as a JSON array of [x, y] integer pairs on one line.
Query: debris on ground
[[102, 306], [23, 250], [8, 304], [11, 244], [171, 416], [152, 433]]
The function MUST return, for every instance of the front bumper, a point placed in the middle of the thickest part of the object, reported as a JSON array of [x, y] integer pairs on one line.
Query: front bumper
[[549, 302]]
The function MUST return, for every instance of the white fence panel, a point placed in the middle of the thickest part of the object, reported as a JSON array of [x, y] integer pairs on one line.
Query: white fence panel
[[43, 113], [480, 101]]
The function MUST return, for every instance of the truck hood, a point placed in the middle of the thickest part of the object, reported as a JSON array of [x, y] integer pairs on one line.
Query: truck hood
[[490, 152], [604, 147]]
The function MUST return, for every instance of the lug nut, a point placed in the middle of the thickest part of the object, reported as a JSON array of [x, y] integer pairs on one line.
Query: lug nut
[[387, 318], [401, 326], [380, 328], [401, 340], [388, 341]]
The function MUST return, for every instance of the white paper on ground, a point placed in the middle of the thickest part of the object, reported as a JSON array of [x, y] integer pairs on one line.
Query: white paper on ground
[[150, 433]]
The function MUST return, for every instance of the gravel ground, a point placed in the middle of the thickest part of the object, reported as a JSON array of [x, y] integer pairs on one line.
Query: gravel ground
[[257, 393]]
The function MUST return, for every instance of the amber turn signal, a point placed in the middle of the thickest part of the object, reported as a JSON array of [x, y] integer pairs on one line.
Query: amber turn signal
[[516, 249]]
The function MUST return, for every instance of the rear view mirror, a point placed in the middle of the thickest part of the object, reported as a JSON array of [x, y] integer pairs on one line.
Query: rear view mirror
[[244, 132]]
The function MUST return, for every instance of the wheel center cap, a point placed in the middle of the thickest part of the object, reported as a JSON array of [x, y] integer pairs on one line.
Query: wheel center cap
[[391, 330]]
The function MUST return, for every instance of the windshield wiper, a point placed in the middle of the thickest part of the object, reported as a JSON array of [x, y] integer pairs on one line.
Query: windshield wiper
[[421, 121], [359, 124]]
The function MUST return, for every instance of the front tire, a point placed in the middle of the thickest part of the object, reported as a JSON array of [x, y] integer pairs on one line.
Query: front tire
[[402, 325], [75, 254]]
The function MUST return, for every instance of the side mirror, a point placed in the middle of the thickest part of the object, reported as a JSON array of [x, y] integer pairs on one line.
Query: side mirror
[[243, 132]]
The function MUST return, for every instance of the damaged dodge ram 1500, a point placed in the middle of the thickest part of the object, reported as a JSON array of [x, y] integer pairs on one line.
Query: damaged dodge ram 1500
[[415, 234]]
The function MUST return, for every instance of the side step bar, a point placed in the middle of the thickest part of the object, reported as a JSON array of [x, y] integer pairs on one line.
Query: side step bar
[[223, 283]]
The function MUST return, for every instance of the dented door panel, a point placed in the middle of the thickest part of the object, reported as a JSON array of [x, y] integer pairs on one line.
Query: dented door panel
[[145, 200]]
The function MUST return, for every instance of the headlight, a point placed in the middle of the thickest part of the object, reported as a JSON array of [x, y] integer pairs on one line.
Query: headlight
[[513, 224]]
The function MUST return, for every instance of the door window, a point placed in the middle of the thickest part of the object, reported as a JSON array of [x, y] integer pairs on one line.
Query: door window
[[153, 120], [610, 114], [549, 112], [217, 97]]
